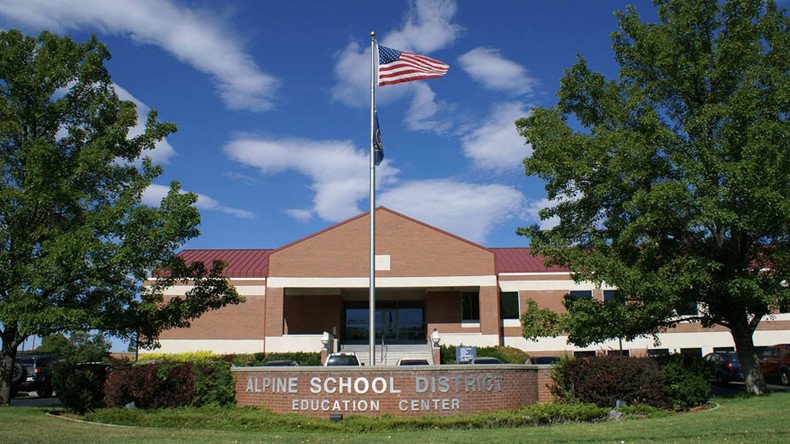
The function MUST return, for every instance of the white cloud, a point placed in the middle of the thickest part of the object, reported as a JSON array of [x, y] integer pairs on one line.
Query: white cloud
[[338, 171], [162, 151], [422, 114], [193, 37], [487, 66], [496, 145], [339, 179], [154, 194], [427, 27], [299, 214], [465, 209], [532, 209]]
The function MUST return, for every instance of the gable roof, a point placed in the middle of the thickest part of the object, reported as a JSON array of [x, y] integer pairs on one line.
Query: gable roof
[[254, 263], [249, 263], [379, 209]]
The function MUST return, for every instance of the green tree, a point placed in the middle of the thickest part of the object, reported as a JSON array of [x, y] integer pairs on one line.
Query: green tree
[[76, 244], [671, 182], [77, 347]]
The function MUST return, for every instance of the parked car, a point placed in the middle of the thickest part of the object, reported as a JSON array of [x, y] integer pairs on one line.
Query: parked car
[[337, 359], [281, 363], [33, 373], [727, 368], [775, 363], [543, 360], [484, 360], [412, 362]]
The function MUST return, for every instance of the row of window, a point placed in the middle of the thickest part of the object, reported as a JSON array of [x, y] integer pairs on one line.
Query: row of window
[[509, 305]]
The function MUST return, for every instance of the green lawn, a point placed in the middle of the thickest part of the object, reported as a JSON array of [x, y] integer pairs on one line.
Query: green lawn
[[765, 419]]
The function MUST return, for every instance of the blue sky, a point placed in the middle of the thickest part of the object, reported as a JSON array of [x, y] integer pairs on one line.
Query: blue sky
[[271, 103]]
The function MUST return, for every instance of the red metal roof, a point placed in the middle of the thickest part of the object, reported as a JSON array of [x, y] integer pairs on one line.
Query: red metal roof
[[239, 263], [519, 260]]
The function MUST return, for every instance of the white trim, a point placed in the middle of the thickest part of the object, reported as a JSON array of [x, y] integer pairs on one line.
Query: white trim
[[538, 273], [391, 282], [776, 317], [673, 341], [242, 290], [262, 278], [470, 324], [551, 285], [469, 339], [294, 343], [511, 323], [216, 346]]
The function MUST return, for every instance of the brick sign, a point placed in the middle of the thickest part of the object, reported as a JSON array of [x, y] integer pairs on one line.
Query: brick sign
[[438, 390]]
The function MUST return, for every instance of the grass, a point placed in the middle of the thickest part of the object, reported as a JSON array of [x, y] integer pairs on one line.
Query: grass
[[763, 419]]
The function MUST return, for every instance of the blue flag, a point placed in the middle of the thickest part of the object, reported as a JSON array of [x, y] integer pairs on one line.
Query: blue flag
[[378, 146]]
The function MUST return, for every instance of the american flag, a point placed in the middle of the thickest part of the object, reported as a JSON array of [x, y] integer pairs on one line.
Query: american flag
[[400, 66]]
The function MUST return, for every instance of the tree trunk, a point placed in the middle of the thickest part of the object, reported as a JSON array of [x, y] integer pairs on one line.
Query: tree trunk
[[744, 346], [7, 358]]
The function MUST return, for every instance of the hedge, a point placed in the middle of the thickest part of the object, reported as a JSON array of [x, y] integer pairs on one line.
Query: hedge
[[508, 355], [674, 381]]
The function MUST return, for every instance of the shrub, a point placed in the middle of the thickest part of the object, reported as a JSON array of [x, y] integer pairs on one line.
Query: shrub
[[508, 355], [171, 385], [150, 386], [301, 358], [196, 356], [603, 380], [686, 380], [80, 387], [214, 384]]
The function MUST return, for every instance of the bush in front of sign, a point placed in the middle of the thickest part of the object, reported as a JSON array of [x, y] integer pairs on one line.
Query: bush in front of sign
[[603, 380], [214, 384]]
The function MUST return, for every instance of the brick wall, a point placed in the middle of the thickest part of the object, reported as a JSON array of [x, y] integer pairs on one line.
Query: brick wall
[[242, 321], [313, 314], [439, 390], [414, 248]]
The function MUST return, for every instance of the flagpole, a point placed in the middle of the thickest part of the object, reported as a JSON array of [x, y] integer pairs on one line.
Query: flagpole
[[372, 306]]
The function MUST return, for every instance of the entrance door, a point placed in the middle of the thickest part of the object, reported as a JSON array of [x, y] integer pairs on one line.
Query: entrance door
[[396, 322]]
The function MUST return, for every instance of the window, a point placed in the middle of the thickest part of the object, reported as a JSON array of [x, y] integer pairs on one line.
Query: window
[[584, 354], [696, 352], [508, 305], [613, 295], [470, 306], [688, 309], [580, 294], [652, 352], [618, 352]]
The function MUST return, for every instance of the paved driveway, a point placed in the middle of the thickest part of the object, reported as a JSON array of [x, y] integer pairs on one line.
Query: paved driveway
[[32, 400]]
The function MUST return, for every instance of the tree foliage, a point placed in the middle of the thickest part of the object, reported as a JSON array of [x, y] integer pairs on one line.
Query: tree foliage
[[76, 243], [77, 347], [671, 182]]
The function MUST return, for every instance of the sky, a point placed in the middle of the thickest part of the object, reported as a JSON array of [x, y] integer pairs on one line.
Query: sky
[[271, 100]]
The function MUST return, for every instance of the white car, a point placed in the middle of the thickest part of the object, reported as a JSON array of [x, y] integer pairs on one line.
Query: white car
[[337, 359]]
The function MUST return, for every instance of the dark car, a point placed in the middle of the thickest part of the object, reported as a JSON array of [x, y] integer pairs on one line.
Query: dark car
[[485, 360], [33, 373], [412, 362], [281, 363], [726, 367], [775, 363], [543, 360]]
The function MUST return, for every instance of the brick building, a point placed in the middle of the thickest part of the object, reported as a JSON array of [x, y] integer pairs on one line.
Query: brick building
[[426, 279]]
